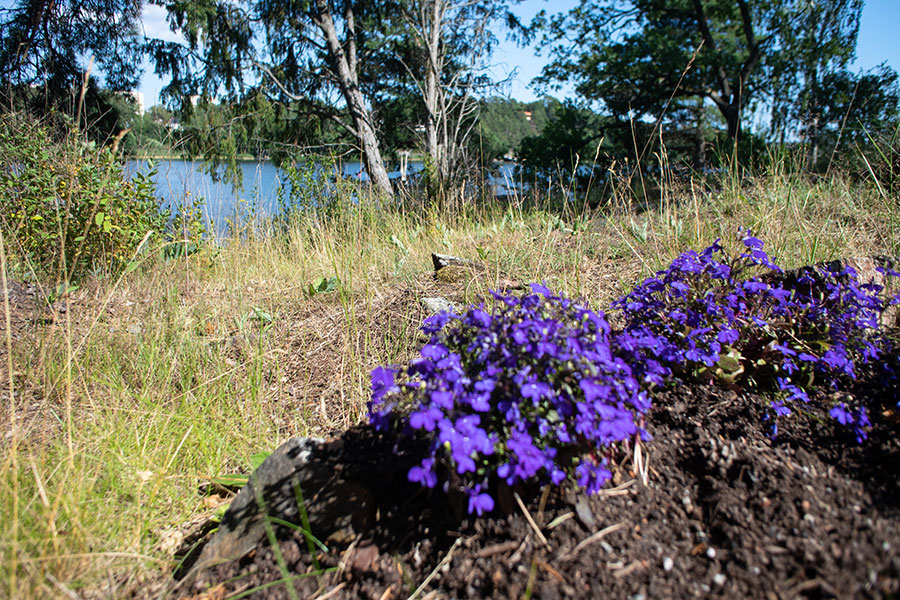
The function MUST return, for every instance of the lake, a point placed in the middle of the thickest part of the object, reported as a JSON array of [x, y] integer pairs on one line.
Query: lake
[[179, 182]]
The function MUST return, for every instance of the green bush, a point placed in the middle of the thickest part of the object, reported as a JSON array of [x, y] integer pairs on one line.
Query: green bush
[[66, 208]]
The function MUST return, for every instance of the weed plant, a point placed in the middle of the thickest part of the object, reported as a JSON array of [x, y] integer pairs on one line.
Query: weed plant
[[67, 205]]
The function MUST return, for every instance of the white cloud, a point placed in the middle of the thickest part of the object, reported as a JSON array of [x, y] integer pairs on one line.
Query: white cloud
[[156, 27]]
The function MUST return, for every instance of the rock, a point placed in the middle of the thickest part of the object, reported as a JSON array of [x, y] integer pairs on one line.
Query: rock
[[451, 269], [439, 304], [441, 261], [337, 508], [454, 274]]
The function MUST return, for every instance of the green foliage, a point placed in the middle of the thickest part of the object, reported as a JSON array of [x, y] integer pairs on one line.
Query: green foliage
[[673, 60], [568, 143], [239, 480], [47, 47], [503, 124], [67, 208], [321, 285]]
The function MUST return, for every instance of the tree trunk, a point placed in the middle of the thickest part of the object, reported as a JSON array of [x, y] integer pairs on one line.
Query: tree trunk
[[431, 22], [344, 60]]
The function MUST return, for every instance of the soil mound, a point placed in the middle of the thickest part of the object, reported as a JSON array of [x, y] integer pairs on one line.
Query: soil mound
[[725, 512]]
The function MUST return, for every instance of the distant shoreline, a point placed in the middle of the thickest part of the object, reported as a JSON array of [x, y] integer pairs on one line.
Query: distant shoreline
[[244, 158]]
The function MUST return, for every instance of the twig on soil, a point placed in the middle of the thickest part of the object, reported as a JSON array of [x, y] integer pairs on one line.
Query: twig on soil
[[517, 555], [530, 520], [342, 563], [437, 569], [639, 465], [619, 490], [553, 572], [560, 520], [497, 549], [626, 571], [332, 592], [596, 537]]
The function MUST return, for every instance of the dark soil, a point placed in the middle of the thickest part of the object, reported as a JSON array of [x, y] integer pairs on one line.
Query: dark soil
[[725, 512]]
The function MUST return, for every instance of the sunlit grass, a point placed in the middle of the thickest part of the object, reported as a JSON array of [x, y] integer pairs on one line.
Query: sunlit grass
[[120, 410]]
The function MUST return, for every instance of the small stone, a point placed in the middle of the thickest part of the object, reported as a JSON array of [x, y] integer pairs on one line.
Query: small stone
[[668, 564], [719, 579], [606, 547], [439, 304], [711, 552]]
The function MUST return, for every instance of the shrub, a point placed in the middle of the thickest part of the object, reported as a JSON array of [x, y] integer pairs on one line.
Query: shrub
[[532, 390], [709, 316], [542, 388], [66, 207]]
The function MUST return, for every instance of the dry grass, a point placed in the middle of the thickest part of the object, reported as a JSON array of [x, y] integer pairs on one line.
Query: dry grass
[[121, 408]]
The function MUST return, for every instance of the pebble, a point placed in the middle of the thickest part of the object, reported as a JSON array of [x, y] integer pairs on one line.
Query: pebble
[[711, 552], [606, 547], [668, 563], [719, 579]]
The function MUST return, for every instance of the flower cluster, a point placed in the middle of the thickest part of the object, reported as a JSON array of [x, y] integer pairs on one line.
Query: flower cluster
[[704, 317], [531, 390], [541, 388]]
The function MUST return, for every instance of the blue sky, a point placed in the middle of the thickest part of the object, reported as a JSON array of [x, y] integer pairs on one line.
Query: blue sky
[[878, 42]]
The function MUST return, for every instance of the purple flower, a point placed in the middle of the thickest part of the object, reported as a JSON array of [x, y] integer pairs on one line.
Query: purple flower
[[752, 242], [382, 383], [728, 336], [535, 390], [840, 414], [480, 502], [435, 323], [433, 351], [423, 474], [537, 288], [426, 418]]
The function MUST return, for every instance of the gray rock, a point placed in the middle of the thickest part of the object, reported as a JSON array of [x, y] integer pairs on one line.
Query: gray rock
[[438, 304], [445, 260], [337, 508]]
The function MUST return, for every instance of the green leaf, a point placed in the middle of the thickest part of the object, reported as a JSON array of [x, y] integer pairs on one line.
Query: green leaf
[[98, 219], [261, 315], [320, 285], [396, 241], [231, 480], [257, 459]]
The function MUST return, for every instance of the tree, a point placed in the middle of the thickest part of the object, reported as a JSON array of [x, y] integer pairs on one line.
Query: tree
[[454, 41], [669, 59], [300, 51], [856, 110], [818, 42], [504, 123], [634, 56], [567, 143], [47, 45], [344, 61]]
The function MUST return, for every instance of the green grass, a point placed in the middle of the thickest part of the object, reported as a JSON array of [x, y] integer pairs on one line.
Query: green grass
[[119, 410]]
